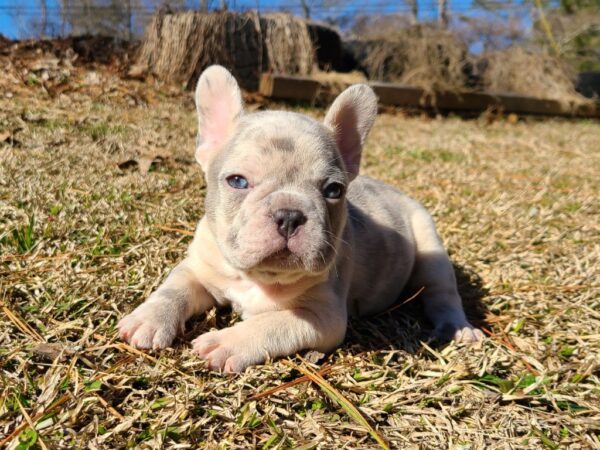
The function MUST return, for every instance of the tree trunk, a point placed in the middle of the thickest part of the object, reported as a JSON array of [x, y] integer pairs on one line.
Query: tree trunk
[[85, 17], [414, 11], [43, 18], [129, 21], [443, 13], [204, 5], [305, 9]]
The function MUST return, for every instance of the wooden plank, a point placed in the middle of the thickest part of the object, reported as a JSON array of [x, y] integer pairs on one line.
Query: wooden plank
[[307, 89], [531, 105], [398, 95], [289, 87]]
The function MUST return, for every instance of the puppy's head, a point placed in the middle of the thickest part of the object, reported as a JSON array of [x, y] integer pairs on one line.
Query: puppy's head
[[277, 180]]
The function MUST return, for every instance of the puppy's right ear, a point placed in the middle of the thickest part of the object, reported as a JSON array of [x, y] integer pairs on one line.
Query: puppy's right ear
[[219, 105], [351, 117]]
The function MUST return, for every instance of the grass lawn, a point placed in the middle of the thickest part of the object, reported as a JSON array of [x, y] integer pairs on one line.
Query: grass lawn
[[85, 236]]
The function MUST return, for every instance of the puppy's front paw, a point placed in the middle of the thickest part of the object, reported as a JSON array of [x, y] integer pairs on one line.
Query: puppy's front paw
[[227, 350], [469, 334], [151, 325], [462, 332]]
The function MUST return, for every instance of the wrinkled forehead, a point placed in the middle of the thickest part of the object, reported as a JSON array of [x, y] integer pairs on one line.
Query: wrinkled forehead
[[290, 145]]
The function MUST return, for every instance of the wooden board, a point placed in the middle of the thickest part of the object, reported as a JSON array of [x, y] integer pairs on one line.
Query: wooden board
[[307, 89], [289, 87]]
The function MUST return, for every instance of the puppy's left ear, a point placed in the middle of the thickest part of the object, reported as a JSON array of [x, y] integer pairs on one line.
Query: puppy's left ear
[[351, 117], [220, 105]]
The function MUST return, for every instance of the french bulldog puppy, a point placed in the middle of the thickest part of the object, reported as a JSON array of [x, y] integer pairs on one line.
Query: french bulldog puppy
[[293, 238]]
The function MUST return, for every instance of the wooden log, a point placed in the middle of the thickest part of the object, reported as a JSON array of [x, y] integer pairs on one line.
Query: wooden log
[[287, 87], [307, 89], [398, 95]]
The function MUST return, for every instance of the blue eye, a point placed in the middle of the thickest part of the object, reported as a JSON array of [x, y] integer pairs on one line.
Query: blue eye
[[333, 191], [237, 182]]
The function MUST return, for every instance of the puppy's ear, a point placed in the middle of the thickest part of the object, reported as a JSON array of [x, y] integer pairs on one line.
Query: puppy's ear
[[219, 104], [351, 117]]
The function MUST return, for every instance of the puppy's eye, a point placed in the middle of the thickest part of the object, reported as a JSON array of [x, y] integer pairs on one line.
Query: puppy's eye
[[333, 190], [237, 182]]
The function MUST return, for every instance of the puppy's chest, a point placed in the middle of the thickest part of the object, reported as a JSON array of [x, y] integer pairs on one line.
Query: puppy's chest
[[245, 297]]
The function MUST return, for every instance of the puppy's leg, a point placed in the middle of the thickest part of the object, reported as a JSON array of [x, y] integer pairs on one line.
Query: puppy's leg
[[272, 334], [433, 271], [156, 322]]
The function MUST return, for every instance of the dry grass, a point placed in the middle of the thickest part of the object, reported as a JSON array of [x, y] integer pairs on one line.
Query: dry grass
[[438, 61], [422, 56], [334, 83], [178, 47], [536, 74], [289, 47], [82, 242]]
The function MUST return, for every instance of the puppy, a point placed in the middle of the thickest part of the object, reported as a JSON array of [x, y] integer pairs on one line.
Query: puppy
[[293, 238]]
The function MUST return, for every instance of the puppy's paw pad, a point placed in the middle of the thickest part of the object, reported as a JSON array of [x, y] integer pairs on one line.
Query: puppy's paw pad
[[143, 336], [127, 327], [468, 335], [205, 344], [461, 332], [234, 364], [223, 350], [148, 327]]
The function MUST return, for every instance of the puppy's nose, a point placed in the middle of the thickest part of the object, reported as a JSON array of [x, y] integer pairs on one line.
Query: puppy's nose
[[288, 221]]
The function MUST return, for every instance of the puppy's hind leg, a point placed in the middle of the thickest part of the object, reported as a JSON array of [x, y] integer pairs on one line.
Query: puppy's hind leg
[[434, 272]]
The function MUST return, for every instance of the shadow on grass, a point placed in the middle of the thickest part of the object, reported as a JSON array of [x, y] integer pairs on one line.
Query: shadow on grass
[[406, 326]]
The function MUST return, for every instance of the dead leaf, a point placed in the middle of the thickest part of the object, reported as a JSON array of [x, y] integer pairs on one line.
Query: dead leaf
[[522, 344], [44, 64], [137, 72], [9, 137], [314, 357], [51, 351], [128, 164], [31, 117], [92, 78], [5, 135], [143, 163]]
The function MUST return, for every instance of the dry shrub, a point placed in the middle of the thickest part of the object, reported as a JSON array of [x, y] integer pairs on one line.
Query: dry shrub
[[426, 57], [438, 61], [520, 71], [338, 78], [288, 44], [578, 36], [177, 47], [333, 83]]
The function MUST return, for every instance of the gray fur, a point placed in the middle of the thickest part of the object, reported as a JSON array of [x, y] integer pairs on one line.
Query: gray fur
[[352, 256]]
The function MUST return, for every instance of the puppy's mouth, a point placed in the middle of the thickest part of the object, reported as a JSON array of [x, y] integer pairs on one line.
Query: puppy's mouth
[[287, 264], [276, 257], [284, 258], [284, 267], [274, 277]]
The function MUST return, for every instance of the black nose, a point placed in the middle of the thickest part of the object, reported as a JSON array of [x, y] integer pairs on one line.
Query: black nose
[[288, 221]]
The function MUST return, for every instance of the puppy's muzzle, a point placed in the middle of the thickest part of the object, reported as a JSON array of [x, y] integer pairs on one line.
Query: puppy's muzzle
[[288, 221]]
